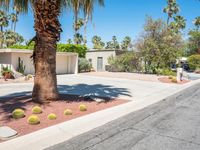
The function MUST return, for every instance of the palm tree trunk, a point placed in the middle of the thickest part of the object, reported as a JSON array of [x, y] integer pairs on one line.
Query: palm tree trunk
[[1, 35], [85, 29], [48, 30]]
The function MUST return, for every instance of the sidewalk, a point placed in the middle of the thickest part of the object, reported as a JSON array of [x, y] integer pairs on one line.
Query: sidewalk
[[59, 133]]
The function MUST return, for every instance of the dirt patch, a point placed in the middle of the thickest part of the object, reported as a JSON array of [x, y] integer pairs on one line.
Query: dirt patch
[[7, 105], [167, 80]]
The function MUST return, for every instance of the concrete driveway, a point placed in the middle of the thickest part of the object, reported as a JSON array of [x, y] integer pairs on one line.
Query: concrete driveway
[[98, 86]]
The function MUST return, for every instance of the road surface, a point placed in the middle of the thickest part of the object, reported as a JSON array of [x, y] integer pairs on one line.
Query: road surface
[[172, 124]]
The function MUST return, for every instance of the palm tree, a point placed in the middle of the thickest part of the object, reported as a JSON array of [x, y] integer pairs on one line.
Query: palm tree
[[171, 9], [47, 28], [14, 19], [126, 43], [97, 43], [197, 22], [77, 27], [88, 7], [181, 22], [3, 23]]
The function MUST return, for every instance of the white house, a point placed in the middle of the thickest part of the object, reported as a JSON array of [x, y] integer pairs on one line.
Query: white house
[[99, 58], [66, 63]]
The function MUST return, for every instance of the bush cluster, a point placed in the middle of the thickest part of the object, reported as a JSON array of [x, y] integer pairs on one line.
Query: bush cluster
[[36, 110], [18, 113], [194, 62], [68, 112], [33, 120], [82, 107], [84, 65], [52, 116]]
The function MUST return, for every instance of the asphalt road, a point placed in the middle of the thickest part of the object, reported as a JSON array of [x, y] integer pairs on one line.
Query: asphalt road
[[172, 124]]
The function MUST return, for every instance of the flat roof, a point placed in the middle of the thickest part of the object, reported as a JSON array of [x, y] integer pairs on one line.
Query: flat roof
[[9, 50], [102, 50]]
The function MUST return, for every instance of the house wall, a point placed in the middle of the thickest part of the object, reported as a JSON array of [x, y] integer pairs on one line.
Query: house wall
[[5, 58], [93, 55], [27, 61], [66, 63]]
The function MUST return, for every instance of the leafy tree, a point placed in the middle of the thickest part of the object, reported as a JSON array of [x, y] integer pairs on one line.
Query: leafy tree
[[126, 43], [97, 43], [158, 46], [11, 38], [48, 29], [194, 38], [171, 9]]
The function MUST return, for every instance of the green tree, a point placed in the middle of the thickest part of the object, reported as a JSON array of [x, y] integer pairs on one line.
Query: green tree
[[126, 43], [12, 38], [194, 38], [48, 29], [171, 9], [158, 46], [178, 24], [78, 38], [97, 43]]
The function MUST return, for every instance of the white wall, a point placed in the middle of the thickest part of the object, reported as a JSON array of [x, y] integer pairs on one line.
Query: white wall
[[27, 61], [98, 53], [66, 63]]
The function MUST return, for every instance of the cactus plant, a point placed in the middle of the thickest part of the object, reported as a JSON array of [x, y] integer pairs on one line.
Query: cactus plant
[[33, 120], [36, 110], [68, 112], [82, 107], [21, 67], [18, 113], [52, 116]]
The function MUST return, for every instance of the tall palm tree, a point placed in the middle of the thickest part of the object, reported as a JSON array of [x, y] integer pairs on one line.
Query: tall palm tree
[[88, 7], [3, 23], [197, 22], [171, 9], [47, 28], [14, 19]]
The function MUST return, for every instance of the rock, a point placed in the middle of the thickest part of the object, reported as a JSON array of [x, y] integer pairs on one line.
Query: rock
[[7, 132]]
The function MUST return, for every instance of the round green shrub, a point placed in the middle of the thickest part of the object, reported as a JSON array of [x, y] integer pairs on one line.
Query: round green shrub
[[18, 113], [33, 120], [52, 116], [194, 62], [170, 77], [82, 107], [68, 112], [36, 110], [174, 80]]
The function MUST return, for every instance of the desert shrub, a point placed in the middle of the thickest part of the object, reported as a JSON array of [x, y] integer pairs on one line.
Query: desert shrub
[[82, 107], [52, 116], [174, 80], [33, 120], [170, 77], [18, 113], [80, 49], [84, 65], [126, 62], [36, 110], [166, 72], [194, 61], [68, 112]]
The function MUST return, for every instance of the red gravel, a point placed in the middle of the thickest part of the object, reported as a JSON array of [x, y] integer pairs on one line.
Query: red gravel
[[167, 80], [7, 105]]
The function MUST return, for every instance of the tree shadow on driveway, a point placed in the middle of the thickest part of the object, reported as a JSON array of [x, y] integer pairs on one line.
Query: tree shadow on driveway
[[95, 90]]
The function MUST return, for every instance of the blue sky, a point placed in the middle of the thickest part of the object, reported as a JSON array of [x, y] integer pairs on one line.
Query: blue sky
[[118, 17]]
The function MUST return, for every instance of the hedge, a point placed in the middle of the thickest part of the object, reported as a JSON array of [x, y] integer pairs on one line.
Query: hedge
[[80, 49], [194, 61]]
